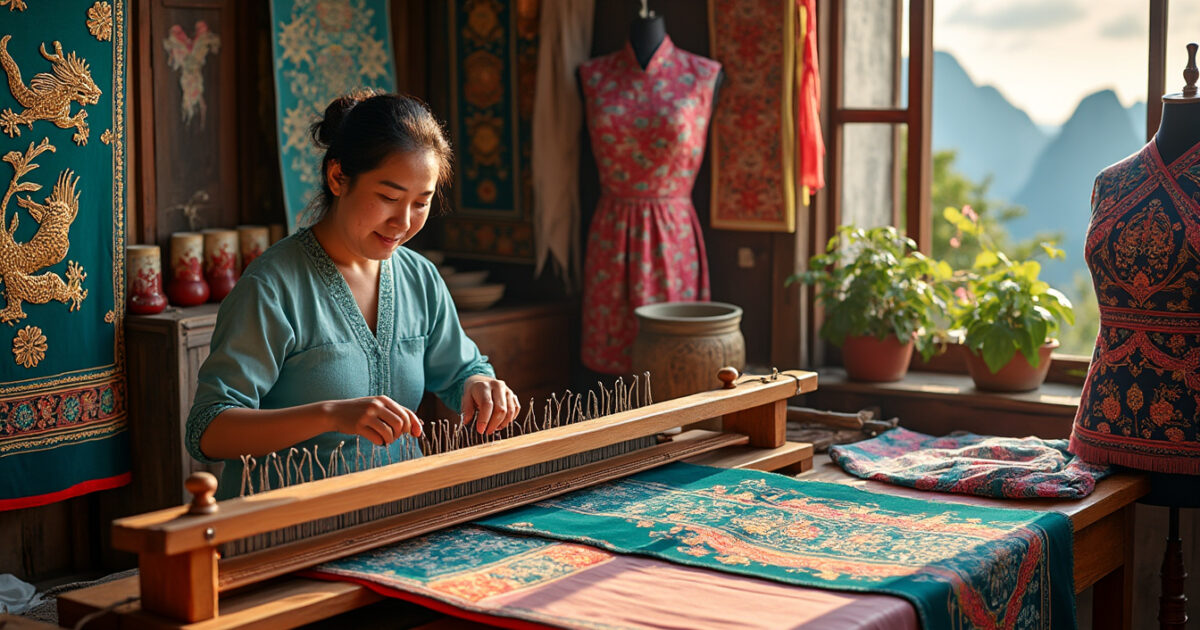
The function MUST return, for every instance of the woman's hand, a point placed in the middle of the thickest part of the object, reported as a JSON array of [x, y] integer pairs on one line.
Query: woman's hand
[[492, 404], [379, 419]]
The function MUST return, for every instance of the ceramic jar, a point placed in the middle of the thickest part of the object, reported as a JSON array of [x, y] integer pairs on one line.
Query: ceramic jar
[[187, 286], [684, 344], [145, 280], [221, 268], [253, 240]]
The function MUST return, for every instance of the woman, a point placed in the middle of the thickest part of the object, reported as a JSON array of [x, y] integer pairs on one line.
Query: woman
[[336, 331]]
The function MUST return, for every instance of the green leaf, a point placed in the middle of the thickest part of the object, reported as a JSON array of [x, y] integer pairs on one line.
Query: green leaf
[[998, 347]]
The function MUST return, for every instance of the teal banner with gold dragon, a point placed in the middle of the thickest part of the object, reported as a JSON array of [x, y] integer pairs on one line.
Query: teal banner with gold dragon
[[62, 250]]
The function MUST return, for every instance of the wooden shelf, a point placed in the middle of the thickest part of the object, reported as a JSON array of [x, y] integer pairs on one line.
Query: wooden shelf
[[938, 403]]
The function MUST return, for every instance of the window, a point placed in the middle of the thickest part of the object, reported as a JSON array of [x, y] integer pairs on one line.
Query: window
[[1013, 106]]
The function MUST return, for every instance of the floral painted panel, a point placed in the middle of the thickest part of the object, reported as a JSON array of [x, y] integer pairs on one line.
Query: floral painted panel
[[962, 566], [323, 49]]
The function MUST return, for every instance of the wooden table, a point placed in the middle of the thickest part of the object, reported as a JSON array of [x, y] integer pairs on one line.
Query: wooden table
[[1103, 523]]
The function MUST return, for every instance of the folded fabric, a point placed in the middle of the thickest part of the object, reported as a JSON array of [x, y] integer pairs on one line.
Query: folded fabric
[[965, 463]]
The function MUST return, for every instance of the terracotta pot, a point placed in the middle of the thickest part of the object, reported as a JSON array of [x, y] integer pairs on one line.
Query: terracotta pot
[[253, 240], [187, 286], [684, 344], [1016, 376], [876, 361], [220, 262], [145, 280]]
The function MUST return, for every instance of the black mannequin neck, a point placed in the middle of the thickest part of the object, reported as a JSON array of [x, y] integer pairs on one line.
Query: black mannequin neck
[[646, 35], [1178, 131]]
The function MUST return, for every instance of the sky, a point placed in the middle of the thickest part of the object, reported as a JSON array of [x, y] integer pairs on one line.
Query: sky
[[1046, 55]]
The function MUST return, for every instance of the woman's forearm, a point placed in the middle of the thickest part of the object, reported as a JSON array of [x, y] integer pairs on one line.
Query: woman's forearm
[[236, 432]]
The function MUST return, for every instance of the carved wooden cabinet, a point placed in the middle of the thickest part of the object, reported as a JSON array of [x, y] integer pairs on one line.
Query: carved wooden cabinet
[[526, 344]]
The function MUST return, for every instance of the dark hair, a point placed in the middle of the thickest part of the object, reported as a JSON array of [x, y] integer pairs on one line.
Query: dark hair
[[361, 129]]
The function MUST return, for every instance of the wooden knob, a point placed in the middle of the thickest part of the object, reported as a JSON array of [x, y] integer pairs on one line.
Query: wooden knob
[[1191, 73], [202, 486], [727, 375]]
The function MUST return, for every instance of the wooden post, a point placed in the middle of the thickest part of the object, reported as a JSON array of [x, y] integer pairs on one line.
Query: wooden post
[[766, 425], [182, 587]]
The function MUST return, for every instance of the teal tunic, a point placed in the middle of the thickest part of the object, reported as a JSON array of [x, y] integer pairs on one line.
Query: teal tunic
[[290, 333]]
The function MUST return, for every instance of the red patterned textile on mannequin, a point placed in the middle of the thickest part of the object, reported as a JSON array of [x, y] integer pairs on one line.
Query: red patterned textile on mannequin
[[644, 246], [1141, 401]]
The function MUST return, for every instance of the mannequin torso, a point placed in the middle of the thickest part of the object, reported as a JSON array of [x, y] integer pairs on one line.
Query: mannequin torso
[[1179, 129]]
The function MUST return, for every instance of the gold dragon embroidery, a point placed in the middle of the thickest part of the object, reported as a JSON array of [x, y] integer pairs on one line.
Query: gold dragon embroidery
[[49, 245], [49, 96]]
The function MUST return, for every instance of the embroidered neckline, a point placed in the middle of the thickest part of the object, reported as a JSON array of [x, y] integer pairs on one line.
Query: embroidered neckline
[[660, 54], [376, 344]]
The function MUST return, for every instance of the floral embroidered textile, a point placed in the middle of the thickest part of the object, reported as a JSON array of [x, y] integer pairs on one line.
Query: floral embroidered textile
[[962, 566], [966, 463], [645, 244], [322, 50], [1141, 400]]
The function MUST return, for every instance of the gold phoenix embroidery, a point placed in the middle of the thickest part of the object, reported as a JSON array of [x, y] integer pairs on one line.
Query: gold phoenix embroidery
[[49, 245], [29, 346], [99, 21], [49, 96], [107, 136], [13, 5]]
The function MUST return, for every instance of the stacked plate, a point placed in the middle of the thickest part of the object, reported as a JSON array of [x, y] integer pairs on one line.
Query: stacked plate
[[476, 298]]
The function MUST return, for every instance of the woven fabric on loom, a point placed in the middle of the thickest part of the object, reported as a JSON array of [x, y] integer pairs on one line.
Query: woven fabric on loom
[[62, 251], [510, 580], [965, 463], [961, 566]]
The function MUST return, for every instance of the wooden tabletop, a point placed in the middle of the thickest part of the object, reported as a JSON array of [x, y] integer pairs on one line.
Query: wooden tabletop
[[1111, 494]]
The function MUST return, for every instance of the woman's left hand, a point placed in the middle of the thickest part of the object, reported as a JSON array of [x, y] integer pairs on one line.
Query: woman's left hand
[[492, 404]]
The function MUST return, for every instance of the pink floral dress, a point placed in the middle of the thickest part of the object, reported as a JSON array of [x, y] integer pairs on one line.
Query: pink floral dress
[[648, 130]]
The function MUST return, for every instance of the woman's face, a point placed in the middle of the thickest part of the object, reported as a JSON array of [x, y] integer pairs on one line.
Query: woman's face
[[383, 208]]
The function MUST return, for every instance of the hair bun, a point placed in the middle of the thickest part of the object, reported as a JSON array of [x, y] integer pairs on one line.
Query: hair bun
[[325, 131]]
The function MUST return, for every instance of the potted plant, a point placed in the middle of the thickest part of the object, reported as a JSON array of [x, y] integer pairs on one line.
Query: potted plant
[[881, 299], [1009, 319]]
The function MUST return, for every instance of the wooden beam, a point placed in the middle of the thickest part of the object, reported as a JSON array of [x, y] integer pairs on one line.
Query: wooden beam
[[172, 531], [1156, 77], [182, 586], [918, 214], [766, 425], [859, 116]]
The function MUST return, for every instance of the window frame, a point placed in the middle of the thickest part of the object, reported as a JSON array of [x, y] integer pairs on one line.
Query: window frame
[[917, 116]]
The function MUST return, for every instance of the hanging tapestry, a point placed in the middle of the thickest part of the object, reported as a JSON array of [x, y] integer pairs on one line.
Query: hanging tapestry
[[962, 566], [754, 148], [508, 580], [62, 251], [493, 73], [965, 463], [323, 49]]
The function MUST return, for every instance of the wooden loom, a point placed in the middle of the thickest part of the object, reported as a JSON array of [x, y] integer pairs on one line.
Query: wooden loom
[[182, 581]]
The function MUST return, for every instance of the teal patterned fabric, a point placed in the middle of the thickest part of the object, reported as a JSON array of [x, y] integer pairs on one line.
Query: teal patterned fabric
[[62, 250], [962, 566], [322, 51]]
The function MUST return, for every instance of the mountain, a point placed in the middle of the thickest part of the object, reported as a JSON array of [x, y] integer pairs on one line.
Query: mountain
[[1057, 194], [991, 136], [1137, 116]]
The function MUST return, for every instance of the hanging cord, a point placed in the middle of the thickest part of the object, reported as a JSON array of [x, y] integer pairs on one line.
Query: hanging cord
[[774, 376]]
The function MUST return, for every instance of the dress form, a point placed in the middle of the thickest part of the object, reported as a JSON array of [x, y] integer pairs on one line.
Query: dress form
[[1178, 131], [648, 106]]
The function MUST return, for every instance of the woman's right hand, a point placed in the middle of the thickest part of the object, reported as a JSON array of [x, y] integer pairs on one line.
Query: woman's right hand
[[379, 419]]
